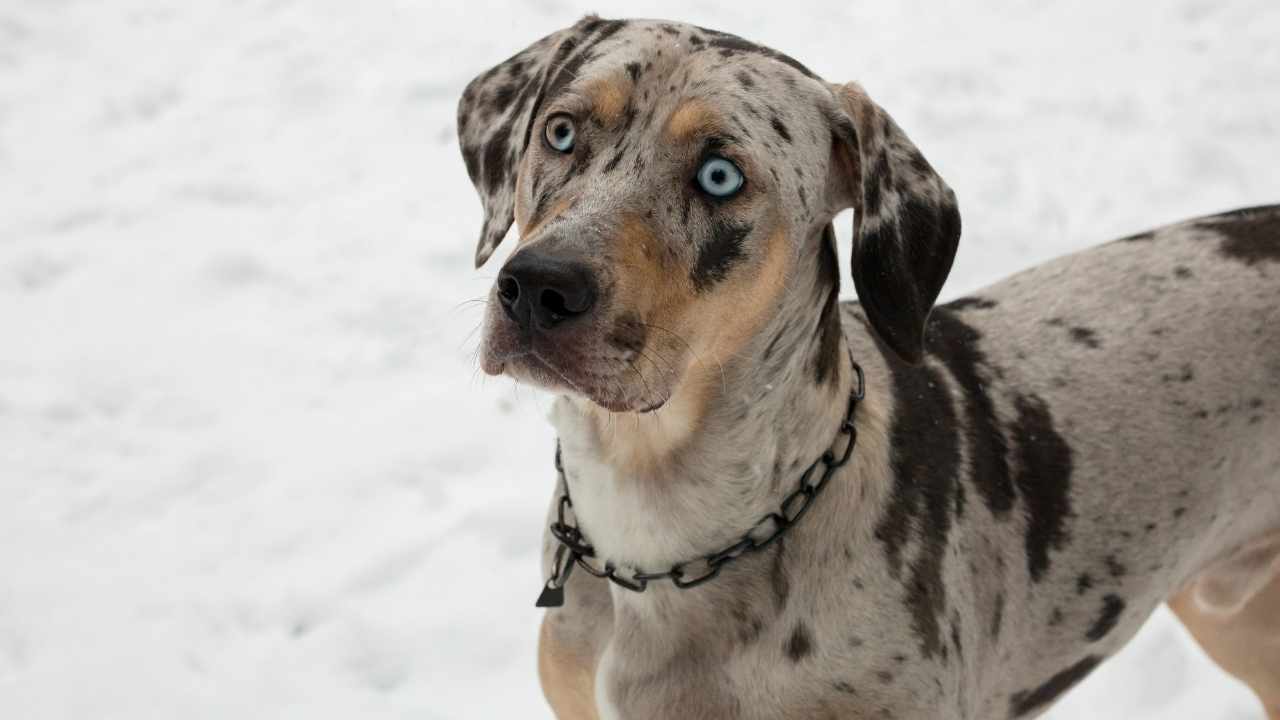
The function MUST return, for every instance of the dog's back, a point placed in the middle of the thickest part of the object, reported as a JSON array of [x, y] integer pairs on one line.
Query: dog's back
[[1144, 373]]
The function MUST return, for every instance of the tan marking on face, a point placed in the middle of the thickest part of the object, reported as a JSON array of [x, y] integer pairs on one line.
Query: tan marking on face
[[608, 98], [693, 117], [567, 677], [712, 327]]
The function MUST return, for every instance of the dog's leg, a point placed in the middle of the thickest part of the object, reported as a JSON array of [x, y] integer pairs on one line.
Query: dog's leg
[[1240, 630], [567, 677]]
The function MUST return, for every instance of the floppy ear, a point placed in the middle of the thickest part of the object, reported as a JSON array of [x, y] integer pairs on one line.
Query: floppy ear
[[906, 224], [494, 119], [496, 114]]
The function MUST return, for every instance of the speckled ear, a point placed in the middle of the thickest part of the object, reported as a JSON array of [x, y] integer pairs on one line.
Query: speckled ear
[[906, 224], [497, 112]]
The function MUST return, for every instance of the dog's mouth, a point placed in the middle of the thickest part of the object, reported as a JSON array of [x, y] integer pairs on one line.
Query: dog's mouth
[[618, 381]]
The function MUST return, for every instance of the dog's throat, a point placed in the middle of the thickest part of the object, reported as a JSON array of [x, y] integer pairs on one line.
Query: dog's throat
[[574, 548]]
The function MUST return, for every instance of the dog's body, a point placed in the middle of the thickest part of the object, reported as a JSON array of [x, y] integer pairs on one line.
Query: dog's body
[[1033, 475]]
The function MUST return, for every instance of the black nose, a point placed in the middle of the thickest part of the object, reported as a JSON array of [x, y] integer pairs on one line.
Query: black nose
[[539, 288]]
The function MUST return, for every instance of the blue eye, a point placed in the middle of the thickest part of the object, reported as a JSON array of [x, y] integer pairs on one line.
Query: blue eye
[[559, 133], [719, 178]]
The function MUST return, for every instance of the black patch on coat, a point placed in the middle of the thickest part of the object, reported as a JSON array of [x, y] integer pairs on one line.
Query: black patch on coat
[[1086, 337], [726, 41], [745, 80], [1182, 272], [844, 687], [926, 462], [826, 357], [1084, 584], [779, 128], [955, 342], [1044, 481], [633, 70], [997, 616], [800, 644], [1115, 567], [971, 303], [1139, 237], [719, 254], [1250, 235], [1112, 607], [1023, 703]]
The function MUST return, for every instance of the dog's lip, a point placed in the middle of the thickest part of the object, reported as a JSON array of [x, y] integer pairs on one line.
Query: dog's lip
[[546, 372]]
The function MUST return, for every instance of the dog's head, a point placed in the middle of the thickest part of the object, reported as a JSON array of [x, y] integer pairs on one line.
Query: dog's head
[[664, 179]]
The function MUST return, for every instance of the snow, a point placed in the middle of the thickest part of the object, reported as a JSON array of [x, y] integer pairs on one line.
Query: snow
[[248, 467]]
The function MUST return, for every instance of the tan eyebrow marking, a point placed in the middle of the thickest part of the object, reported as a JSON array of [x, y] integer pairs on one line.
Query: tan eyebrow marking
[[693, 117], [608, 98]]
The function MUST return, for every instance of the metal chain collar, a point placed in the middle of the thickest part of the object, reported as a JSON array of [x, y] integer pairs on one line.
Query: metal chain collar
[[692, 573]]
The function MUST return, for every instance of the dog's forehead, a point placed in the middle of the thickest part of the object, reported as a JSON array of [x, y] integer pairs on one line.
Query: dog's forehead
[[665, 61]]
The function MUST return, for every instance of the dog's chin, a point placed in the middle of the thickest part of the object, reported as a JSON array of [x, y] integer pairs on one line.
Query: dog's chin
[[604, 389]]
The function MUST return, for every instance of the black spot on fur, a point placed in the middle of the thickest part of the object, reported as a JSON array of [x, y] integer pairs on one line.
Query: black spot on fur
[[971, 303], [800, 644], [956, 344], [1115, 568], [826, 356], [1186, 374], [1085, 336], [779, 128], [926, 460], [997, 616], [884, 676], [496, 166], [1044, 481], [844, 687], [720, 253], [633, 70], [1182, 272], [1250, 235], [745, 80], [1112, 607], [1023, 703], [1084, 584], [726, 41]]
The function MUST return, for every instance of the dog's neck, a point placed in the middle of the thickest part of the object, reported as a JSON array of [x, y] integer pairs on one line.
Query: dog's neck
[[652, 490]]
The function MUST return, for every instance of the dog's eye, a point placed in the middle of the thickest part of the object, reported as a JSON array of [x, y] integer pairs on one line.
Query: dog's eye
[[559, 133], [719, 178]]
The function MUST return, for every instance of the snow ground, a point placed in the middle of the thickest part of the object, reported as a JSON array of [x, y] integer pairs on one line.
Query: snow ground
[[247, 466]]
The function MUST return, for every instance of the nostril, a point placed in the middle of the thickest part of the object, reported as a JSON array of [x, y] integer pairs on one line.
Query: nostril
[[555, 304], [508, 290]]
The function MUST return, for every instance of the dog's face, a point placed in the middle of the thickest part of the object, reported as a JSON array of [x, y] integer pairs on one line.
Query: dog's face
[[664, 179]]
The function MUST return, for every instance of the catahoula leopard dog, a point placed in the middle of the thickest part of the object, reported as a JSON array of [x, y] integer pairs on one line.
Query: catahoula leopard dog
[[1034, 468]]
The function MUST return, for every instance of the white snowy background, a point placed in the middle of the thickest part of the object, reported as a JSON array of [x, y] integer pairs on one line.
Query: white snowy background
[[248, 468]]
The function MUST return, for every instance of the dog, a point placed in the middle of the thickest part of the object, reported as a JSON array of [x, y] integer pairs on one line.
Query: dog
[[1030, 471]]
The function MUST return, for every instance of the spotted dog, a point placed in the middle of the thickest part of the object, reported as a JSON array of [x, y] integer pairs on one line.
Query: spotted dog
[[1036, 468]]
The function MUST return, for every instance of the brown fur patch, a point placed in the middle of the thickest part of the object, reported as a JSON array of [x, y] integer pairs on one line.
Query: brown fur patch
[[567, 677], [608, 97], [694, 117], [698, 333]]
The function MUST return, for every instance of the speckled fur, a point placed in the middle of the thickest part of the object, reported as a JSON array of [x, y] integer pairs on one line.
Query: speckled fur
[[1038, 466]]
